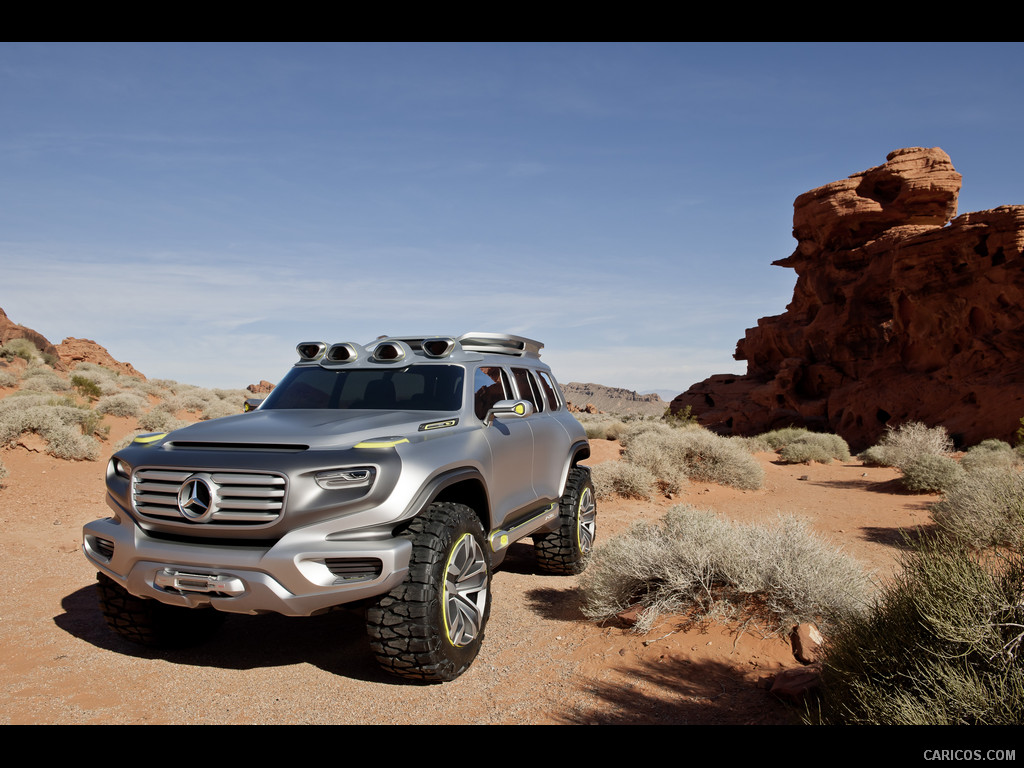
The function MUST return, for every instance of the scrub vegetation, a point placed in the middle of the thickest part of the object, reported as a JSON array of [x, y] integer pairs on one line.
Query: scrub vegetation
[[698, 565], [69, 412]]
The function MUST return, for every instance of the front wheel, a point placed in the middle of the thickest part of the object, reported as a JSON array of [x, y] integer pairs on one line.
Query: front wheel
[[565, 551], [431, 626]]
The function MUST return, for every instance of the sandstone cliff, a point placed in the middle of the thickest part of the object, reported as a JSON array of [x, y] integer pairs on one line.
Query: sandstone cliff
[[899, 314]]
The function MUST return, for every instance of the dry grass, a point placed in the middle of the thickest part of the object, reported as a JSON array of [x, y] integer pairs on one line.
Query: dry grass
[[694, 562]]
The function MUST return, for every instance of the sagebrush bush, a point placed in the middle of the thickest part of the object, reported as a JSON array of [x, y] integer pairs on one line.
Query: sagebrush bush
[[600, 426], [8, 379], [160, 420], [780, 438], [941, 646], [928, 473], [815, 446], [624, 479], [698, 564], [122, 404], [672, 454], [985, 509], [907, 442], [61, 426], [990, 453], [3, 472], [43, 379], [22, 348], [86, 387]]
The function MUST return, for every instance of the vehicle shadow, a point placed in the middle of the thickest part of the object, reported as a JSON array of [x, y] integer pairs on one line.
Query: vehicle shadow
[[335, 642]]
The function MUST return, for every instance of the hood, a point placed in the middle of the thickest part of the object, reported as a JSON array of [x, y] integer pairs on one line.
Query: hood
[[315, 428]]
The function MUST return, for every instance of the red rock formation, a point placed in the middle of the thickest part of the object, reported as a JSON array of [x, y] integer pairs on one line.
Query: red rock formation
[[895, 317], [263, 388], [11, 330], [73, 351]]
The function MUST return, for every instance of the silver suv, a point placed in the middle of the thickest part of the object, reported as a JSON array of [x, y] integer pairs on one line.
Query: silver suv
[[392, 476]]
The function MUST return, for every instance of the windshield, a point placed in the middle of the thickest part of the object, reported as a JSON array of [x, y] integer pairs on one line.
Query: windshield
[[415, 388]]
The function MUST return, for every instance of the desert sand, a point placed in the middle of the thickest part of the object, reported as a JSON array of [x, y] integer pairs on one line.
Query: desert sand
[[541, 663]]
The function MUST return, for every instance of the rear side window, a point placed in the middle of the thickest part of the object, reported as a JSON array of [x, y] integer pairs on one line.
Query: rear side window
[[550, 390], [528, 389], [490, 385]]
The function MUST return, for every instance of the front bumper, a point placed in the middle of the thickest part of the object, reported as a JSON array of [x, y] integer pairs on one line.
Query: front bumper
[[301, 574]]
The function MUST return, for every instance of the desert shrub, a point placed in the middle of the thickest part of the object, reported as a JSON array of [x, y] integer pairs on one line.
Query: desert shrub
[[3, 473], [122, 404], [86, 387], [928, 473], [61, 426], [986, 508], [160, 420], [104, 381], [990, 453], [698, 564], [905, 443], [815, 446], [41, 378], [22, 348], [624, 479], [754, 444], [683, 418], [941, 646], [672, 454], [600, 426], [8, 379], [780, 438]]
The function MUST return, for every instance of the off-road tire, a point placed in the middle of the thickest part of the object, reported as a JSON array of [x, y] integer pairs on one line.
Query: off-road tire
[[430, 627], [152, 623], [565, 551]]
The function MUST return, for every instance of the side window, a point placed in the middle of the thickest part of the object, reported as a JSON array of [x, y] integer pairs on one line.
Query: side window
[[550, 389], [527, 387], [490, 385]]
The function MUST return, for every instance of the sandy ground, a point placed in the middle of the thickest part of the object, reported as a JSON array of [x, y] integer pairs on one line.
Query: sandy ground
[[541, 661]]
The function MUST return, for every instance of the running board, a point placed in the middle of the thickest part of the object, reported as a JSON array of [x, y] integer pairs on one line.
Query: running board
[[501, 538]]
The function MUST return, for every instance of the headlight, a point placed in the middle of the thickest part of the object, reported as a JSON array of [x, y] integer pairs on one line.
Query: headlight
[[347, 477], [120, 468]]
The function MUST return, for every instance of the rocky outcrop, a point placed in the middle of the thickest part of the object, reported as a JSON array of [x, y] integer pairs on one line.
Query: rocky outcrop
[[900, 313], [11, 330], [263, 388], [73, 351], [612, 399]]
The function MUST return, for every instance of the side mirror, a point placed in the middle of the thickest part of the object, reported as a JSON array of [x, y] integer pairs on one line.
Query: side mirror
[[509, 409], [251, 404]]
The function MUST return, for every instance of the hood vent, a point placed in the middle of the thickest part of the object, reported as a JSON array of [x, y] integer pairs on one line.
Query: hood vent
[[186, 445]]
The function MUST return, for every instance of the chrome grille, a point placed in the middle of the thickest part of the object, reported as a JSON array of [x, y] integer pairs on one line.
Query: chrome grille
[[239, 498]]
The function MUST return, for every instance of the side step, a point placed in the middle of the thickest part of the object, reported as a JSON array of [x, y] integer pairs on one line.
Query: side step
[[501, 538]]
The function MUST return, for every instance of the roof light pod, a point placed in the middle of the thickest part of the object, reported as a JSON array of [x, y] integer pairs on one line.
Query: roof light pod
[[342, 353], [438, 347], [310, 350], [388, 352]]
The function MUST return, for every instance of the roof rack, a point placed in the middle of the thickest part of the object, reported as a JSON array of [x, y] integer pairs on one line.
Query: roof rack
[[500, 343]]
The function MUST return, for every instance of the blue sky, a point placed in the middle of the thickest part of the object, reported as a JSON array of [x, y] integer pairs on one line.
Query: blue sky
[[200, 208]]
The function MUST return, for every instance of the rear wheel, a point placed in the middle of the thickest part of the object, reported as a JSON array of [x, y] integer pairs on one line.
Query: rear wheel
[[152, 623], [431, 626], [565, 551]]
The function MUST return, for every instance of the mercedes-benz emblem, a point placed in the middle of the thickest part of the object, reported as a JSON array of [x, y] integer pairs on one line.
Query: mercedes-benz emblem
[[196, 499]]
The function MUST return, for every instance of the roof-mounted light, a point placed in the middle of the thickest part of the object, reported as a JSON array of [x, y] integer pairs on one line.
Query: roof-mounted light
[[388, 352], [342, 353], [438, 347], [310, 350]]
